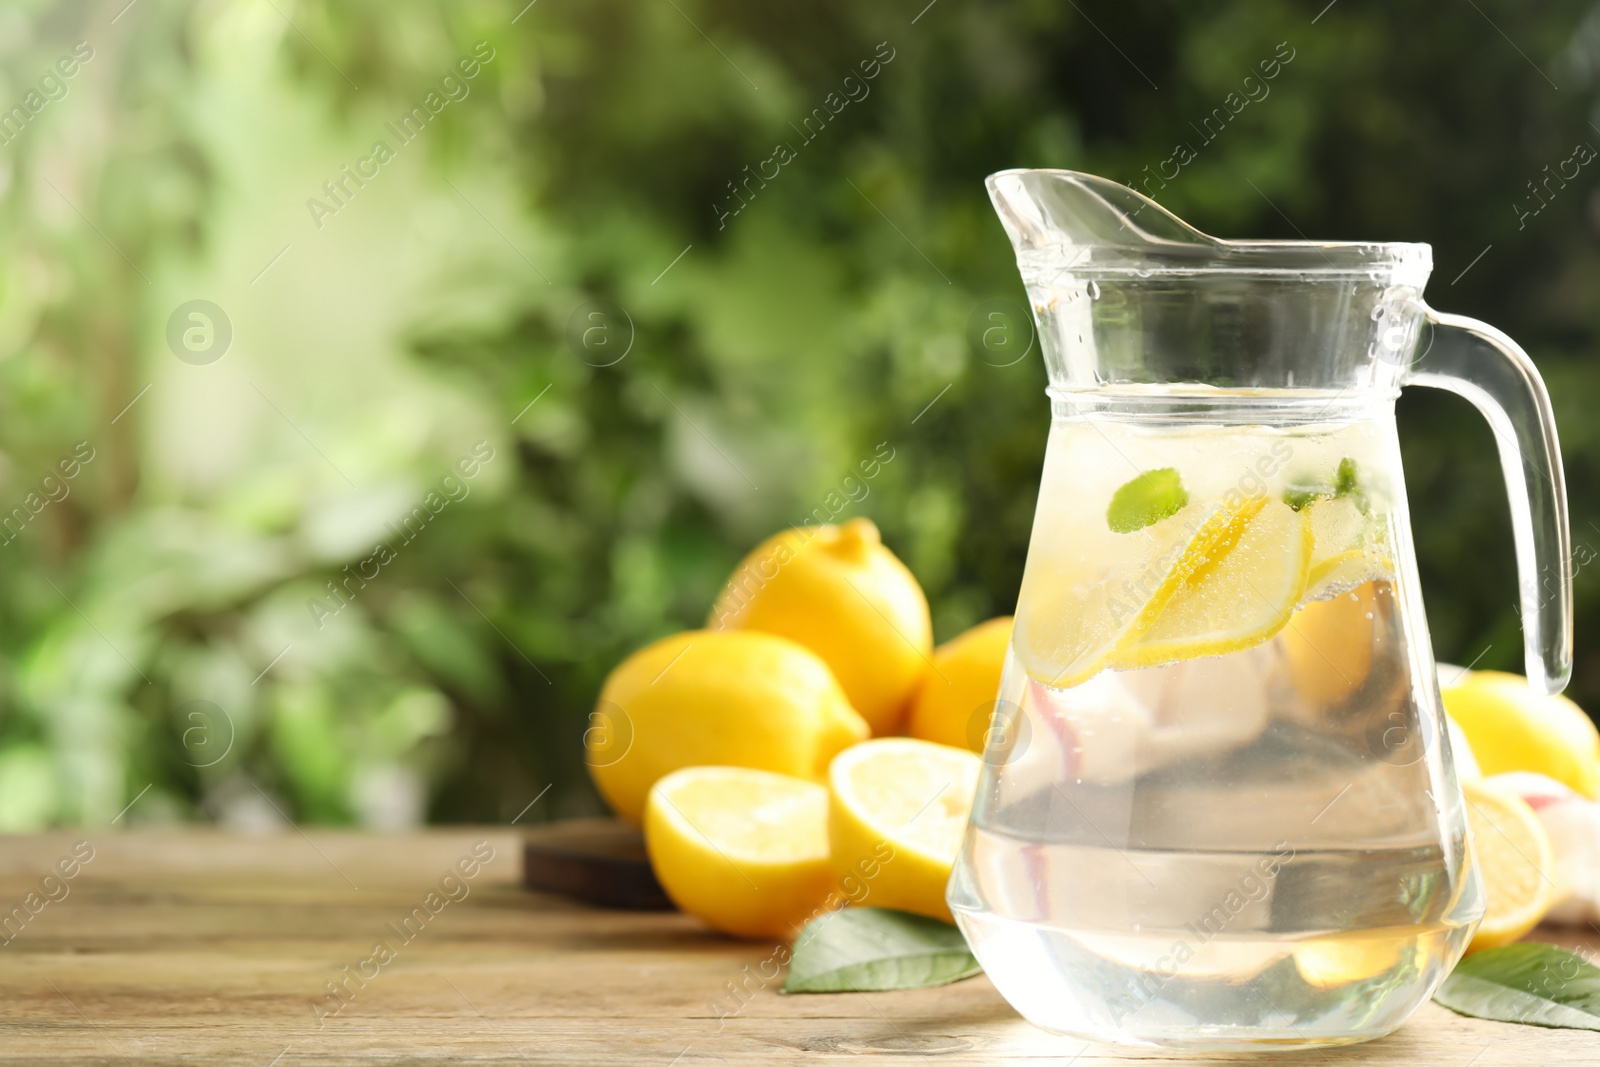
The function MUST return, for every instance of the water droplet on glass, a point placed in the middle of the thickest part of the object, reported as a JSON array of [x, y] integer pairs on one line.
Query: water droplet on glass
[[1094, 290]]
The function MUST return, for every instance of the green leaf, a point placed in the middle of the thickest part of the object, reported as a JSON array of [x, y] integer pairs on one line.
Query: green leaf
[[864, 949], [1344, 479], [1346, 482], [1529, 983], [1299, 496], [1149, 498]]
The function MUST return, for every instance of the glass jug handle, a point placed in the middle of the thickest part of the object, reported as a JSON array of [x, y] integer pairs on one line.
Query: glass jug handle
[[1474, 360]]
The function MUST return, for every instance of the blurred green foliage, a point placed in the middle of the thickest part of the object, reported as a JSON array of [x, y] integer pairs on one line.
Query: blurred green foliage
[[771, 349]]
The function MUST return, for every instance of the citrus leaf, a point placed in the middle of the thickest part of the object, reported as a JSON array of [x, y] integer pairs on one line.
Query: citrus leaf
[[1528, 983], [867, 949], [1149, 498]]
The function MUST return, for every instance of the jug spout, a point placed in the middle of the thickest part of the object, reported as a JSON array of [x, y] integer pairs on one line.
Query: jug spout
[[1098, 224], [1126, 294], [1080, 215]]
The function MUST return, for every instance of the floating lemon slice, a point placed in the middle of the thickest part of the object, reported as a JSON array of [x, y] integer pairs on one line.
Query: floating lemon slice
[[1066, 635], [1235, 587], [1345, 570], [1514, 861]]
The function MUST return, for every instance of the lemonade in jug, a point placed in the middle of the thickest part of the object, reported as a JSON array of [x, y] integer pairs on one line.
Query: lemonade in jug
[[1218, 808]]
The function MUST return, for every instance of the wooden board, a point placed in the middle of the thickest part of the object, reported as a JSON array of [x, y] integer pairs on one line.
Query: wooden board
[[198, 947], [596, 861]]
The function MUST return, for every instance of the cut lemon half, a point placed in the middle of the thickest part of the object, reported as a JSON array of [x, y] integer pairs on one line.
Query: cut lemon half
[[745, 851], [897, 810], [1236, 587], [1514, 861]]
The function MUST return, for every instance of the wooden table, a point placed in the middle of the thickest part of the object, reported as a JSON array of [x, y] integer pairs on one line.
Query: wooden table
[[197, 947]]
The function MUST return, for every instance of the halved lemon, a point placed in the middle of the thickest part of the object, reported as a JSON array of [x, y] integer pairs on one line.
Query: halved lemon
[[1235, 587], [897, 810], [1514, 861], [746, 851]]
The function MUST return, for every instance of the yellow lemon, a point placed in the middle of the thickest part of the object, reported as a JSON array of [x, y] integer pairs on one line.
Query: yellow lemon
[[1514, 861], [957, 695], [1329, 645], [1511, 728], [736, 698], [1330, 962], [839, 592], [745, 851], [898, 806]]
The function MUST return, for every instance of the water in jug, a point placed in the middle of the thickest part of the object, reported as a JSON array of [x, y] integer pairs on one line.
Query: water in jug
[[1218, 808]]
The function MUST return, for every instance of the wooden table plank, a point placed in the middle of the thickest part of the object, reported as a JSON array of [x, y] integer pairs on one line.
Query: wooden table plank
[[198, 947]]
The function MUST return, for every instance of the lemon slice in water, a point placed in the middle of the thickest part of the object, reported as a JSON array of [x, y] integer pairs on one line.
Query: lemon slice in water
[[1237, 591], [1066, 634]]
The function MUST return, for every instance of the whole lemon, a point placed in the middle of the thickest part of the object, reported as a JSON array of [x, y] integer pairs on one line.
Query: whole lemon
[[731, 698], [957, 695], [1330, 646], [841, 593], [1509, 727]]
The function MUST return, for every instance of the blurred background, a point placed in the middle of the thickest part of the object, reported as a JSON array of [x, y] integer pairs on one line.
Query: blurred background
[[374, 375]]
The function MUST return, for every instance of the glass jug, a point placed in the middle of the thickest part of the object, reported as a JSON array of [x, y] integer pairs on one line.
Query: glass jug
[[1218, 808]]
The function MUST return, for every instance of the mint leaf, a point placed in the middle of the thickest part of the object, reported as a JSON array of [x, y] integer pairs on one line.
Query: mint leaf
[[1346, 482], [1149, 498], [1344, 479], [1528, 983], [1298, 497], [868, 949]]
